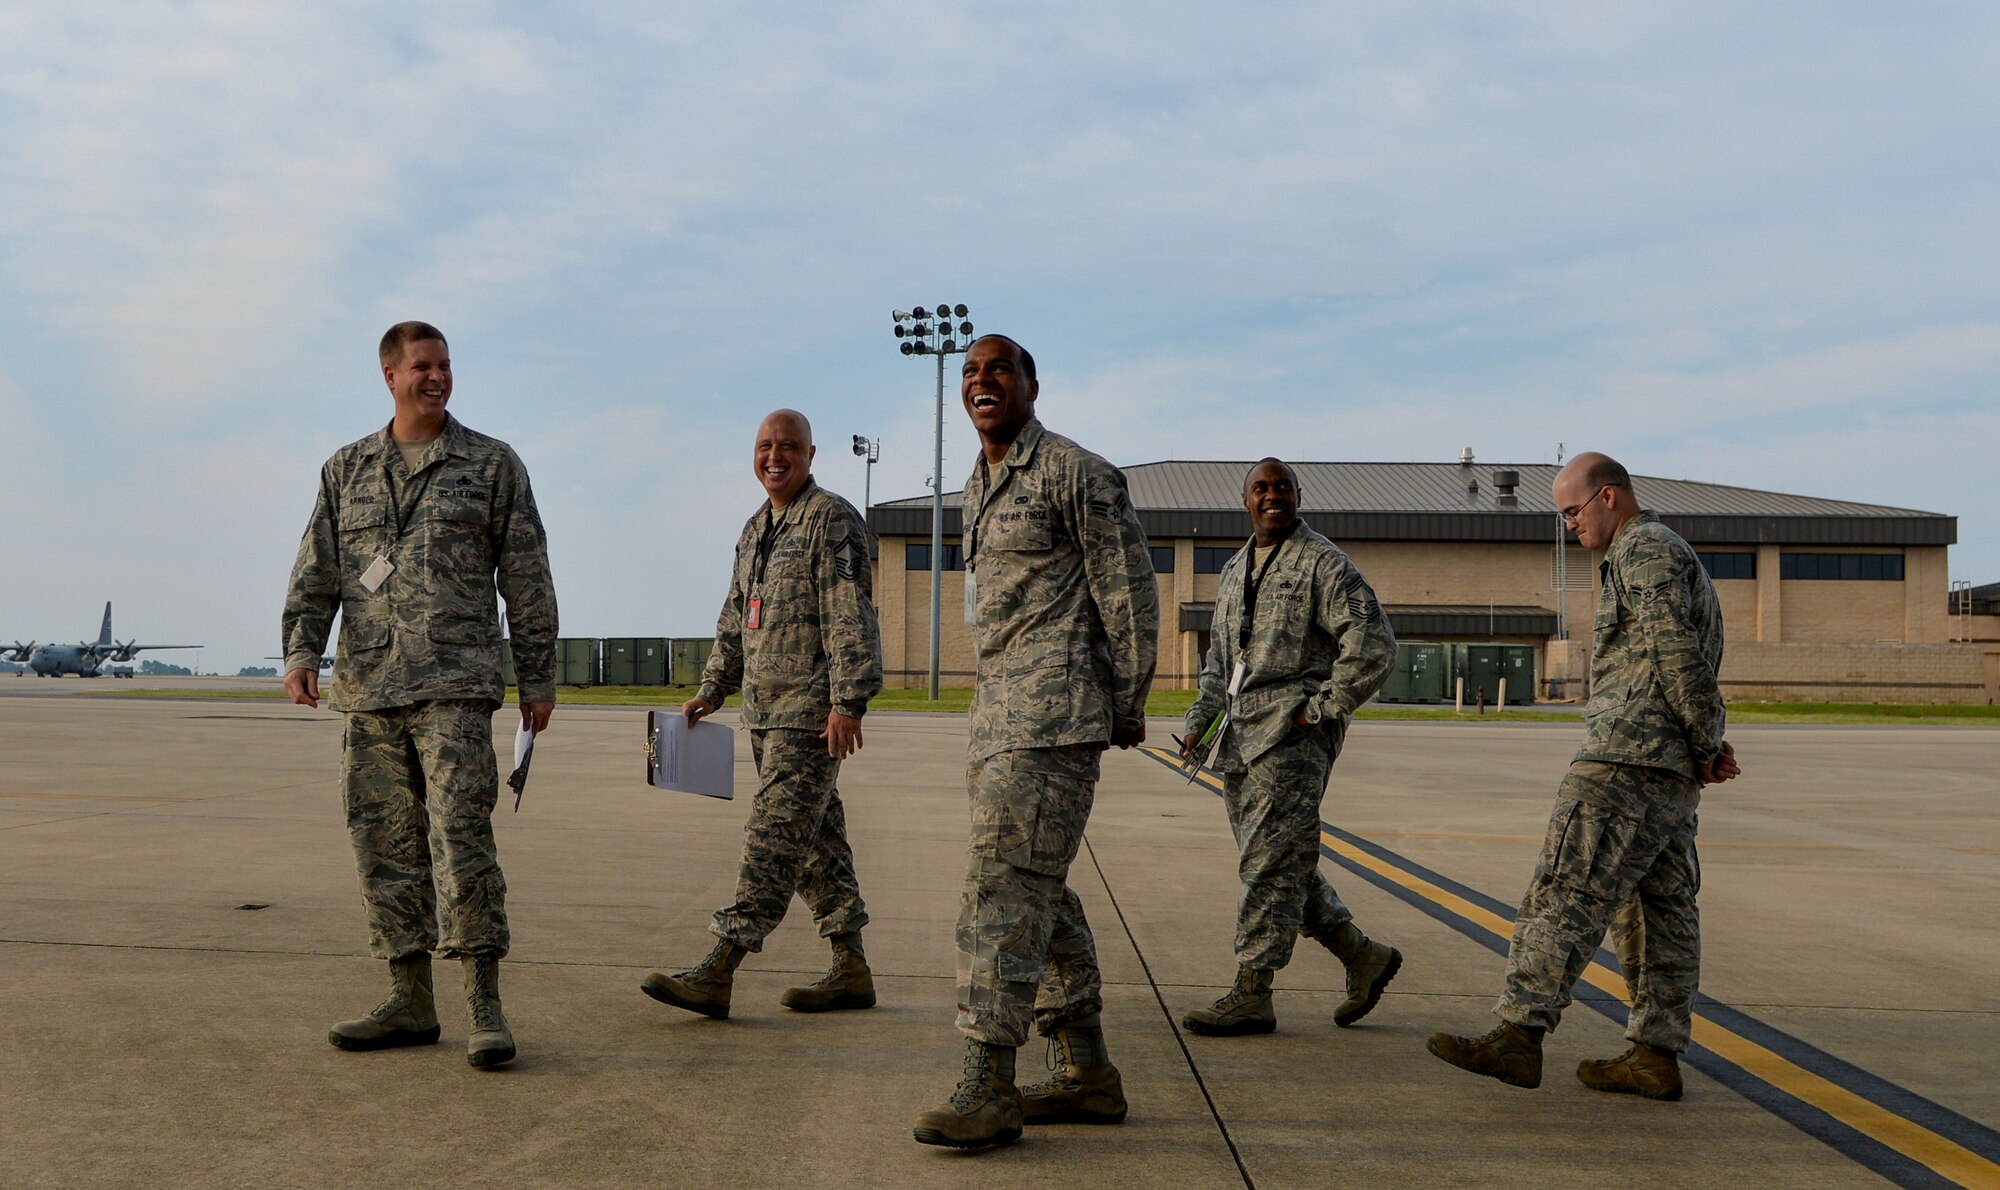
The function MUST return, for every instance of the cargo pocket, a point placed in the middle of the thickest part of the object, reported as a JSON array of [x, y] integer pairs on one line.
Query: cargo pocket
[[1030, 811], [1592, 848]]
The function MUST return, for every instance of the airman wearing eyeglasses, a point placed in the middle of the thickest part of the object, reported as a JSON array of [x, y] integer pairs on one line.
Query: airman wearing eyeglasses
[[1624, 822]]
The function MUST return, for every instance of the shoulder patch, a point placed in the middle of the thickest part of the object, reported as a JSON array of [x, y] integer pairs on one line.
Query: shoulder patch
[[850, 560]]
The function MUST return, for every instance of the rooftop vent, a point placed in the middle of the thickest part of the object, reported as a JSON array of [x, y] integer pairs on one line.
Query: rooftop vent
[[1506, 482], [1465, 457]]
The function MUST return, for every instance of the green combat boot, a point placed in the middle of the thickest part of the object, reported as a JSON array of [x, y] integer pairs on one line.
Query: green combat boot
[[1641, 1070], [1370, 967], [490, 1043], [1086, 1088], [985, 1111], [846, 984], [1511, 1053], [408, 1017], [1245, 1008], [703, 988]]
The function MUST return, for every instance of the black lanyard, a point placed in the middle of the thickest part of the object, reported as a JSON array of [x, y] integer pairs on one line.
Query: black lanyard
[[403, 515], [1251, 585], [968, 518]]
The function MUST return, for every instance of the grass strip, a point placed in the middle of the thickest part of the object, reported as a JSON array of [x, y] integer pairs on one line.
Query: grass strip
[[1174, 704]]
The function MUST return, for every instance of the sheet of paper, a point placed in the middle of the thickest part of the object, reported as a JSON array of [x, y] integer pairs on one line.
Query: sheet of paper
[[524, 743], [699, 759]]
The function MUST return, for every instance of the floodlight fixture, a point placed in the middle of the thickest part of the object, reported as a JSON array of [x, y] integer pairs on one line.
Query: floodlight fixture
[[960, 310]]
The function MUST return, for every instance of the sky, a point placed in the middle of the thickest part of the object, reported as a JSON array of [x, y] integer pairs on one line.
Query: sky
[[1752, 245]]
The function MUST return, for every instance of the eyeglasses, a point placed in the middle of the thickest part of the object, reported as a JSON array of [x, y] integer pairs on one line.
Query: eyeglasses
[[1568, 515]]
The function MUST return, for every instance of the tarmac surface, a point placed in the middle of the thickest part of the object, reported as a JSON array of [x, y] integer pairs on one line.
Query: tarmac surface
[[179, 924]]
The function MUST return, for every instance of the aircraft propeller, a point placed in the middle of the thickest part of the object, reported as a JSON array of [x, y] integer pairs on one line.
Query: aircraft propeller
[[18, 651]]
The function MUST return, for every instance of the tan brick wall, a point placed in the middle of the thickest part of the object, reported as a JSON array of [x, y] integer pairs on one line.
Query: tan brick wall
[[1836, 612], [1920, 673]]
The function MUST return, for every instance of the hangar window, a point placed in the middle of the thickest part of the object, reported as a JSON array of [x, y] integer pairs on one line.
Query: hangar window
[[917, 556], [1163, 558], [1210, 559], [1728, 565], [1865, 567]]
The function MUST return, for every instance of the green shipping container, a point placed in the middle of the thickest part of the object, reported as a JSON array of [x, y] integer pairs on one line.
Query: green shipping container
[[618, 657], [649, 661], [686, 657], [576, 661]]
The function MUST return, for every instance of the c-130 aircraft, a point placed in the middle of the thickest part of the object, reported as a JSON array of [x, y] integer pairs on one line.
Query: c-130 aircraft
[[85, 660]]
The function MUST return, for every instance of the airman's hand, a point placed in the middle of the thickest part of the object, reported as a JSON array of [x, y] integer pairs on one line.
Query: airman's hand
[[695, 708], [842, 735], [535, 715], [302, 686], [1722, 768], [1125, 737]]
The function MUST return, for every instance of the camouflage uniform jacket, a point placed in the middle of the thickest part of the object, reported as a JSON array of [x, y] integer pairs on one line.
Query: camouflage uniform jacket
[[1066, 622], [466, 518], [1654, 698], [818, 646], [1320, 643]]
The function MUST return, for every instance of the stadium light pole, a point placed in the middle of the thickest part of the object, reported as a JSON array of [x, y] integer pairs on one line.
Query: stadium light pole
[[930, 332], [871, 451]]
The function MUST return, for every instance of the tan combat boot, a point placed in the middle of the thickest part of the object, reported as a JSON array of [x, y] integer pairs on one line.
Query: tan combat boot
[[703, 988], [1245, 1008], [1641, 1070], [407, 1017], [1369, 970], [846, 984], [1511, 1053], [1086, 1088], [985, 1111], [489, 1043]]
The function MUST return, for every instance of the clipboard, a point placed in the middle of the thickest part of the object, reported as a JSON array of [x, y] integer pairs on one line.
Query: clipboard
[[699, 759]]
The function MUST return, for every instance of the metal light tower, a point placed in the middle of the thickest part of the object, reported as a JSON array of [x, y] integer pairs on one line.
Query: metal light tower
[[925, 333], [872, 451]]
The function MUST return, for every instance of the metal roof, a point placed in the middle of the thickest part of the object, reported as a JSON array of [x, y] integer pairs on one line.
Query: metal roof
[[1454, 502]]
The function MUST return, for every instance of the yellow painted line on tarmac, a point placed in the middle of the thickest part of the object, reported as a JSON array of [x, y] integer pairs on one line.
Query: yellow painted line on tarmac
[[1713, 844], [98, 797], [1913, 1140]]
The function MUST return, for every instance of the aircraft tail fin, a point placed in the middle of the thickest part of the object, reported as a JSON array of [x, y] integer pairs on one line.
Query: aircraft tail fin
[[104, 633]]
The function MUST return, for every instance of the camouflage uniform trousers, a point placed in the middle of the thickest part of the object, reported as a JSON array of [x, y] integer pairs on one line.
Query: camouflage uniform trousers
[[1019, 923], [419, 782], [1619, 833], [1274, 814], [1627, 939], [795, 841]]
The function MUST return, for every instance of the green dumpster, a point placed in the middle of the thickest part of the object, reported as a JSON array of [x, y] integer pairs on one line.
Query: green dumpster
[[1428, 669], [1484, 665], [1518, 662]]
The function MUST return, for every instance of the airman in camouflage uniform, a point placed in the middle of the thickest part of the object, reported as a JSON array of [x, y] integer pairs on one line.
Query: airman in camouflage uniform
[[1295, 613], [1065, 625], [798, 635], [415, 529], [1624, 820]]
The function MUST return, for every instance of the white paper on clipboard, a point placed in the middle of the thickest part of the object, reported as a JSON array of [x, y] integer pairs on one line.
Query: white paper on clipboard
[[699, 759]]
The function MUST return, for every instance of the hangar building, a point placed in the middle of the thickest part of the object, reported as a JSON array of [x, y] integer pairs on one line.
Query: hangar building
[[1822, 599]]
